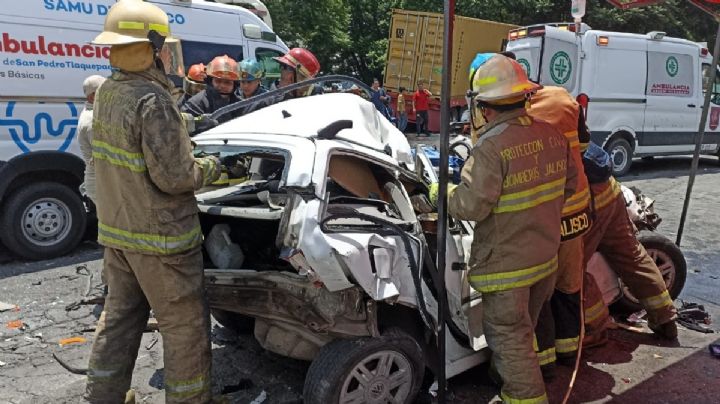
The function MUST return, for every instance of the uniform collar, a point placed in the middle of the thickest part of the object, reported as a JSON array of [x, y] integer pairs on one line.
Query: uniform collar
[[507, 117], [152, 74]]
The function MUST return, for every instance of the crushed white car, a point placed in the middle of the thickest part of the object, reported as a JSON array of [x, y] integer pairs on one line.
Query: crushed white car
[[320, 239]]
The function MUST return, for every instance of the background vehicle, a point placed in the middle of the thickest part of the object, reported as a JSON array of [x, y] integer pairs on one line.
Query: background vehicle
[[44, 58], [339, 267], [645, 91], [415, 48]]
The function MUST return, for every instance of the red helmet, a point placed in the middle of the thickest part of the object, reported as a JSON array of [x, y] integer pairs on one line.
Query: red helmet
[[302, 60], [197, 73], [223, 67]]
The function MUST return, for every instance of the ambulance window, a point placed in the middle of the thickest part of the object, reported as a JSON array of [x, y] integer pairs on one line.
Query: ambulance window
[[716, 86], [272, 67], [670, 75], [203, 52]]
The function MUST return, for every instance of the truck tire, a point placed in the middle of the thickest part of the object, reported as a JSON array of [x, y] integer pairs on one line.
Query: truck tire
[[42, 220], [621, 154], [671, 262], [237, 322], [386, 369]]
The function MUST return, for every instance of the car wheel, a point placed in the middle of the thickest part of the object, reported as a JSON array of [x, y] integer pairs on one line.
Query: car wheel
[[621, 156], [387, 369], [669, 260], [237, 322], [43, 220]]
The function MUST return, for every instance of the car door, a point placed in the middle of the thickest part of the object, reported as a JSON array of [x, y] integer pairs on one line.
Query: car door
[[711, 140], [672, 111]]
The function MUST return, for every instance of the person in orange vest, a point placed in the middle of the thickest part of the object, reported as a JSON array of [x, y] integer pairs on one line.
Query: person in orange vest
[[514, 186]]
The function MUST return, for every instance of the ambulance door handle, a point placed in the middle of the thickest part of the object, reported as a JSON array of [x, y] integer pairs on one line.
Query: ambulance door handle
[[691, 105]]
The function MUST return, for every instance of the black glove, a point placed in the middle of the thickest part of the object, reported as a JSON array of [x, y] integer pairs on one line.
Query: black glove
[[204, 122]]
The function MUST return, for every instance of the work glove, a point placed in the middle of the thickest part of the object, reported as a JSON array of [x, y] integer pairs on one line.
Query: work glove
[[199, 124], [435, 190]]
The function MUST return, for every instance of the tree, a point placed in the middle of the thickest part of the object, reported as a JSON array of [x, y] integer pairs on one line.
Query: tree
[[350, 36]]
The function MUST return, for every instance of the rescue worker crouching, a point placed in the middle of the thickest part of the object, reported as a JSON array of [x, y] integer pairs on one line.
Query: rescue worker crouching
[[513, 186], [147, 213], [614, 235]]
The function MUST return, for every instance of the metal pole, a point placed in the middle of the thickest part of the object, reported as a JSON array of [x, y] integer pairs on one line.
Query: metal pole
[[442, 191], [699, 136]]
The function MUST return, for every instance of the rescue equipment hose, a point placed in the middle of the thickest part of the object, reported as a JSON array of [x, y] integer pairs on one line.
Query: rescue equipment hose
[[571, 384]]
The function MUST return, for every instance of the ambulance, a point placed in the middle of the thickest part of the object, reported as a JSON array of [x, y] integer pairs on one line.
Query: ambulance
[[45, 55], [645, 91]]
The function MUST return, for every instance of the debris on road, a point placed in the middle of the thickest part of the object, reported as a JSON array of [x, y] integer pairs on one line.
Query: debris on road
[[693, 316], [72, 340], [6, 306], [243, 384], [715, 350], [71, 369], [152, 343], [656, 356], [2, 364], [260, 398], [16, 325]]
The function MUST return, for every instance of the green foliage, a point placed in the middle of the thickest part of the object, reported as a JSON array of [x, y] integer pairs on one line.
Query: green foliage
[[350, 36]]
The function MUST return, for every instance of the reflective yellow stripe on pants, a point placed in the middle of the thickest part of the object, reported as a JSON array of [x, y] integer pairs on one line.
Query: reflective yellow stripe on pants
[[513, 279], [154, 243], [186, 388], [608, 195], [544, 357], [657, 302], [536, 400], [594, 312], [567, 345]]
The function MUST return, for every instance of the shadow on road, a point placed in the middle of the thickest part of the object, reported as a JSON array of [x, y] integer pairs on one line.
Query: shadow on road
[[670, 384], [669, 167], [87, 251]]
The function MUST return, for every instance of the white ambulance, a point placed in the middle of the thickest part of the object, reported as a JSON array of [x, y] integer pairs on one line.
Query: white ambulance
[[44, 57], [645, 91]]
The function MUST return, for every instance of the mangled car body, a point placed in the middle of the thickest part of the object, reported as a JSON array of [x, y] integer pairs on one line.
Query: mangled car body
[[320, 231]]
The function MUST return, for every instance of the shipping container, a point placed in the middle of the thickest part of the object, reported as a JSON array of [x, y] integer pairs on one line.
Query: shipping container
[[415, 48]]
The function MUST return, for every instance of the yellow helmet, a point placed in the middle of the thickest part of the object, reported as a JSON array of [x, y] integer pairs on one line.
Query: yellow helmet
[[501, 80], [130, 21]]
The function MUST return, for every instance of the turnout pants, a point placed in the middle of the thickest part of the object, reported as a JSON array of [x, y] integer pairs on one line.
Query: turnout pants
[[613, 234], [509, 318], [172, 286], [558, 328]]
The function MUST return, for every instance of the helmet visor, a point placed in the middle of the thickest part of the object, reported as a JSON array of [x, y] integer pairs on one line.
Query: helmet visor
[[171, 56]]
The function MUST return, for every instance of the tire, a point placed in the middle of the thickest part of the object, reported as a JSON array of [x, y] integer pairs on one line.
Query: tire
[[670, 261], [621, 154], [43, 220], [332, 377], [237, 322]]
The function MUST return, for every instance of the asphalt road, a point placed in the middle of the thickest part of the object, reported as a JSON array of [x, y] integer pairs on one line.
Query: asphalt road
[[632, 368]]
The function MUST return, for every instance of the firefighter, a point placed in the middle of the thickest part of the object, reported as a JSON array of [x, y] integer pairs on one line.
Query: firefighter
[[251, 76], [298, 65], [513, 186], [147, 214], [614, 235], [223, 76], [193, 83], [558, 330]]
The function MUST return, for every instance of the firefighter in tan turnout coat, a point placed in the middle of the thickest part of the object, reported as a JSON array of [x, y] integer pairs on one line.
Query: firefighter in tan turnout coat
[[148, 222], [513, 186]]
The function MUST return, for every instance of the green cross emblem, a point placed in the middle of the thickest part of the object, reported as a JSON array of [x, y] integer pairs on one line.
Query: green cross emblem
[[672, 66], [560, 67]]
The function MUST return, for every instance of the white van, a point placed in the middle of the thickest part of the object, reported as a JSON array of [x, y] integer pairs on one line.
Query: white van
[[645, 91], [44, 57]]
